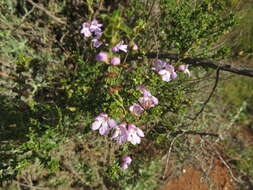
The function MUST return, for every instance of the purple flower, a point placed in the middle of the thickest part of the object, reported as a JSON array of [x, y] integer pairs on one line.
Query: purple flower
[[121, 133], [120, 46], [103, 123], [126, 161], [95, 26], [184, 68], [171, 70], [136, 109], [134, 134], [102, 56], [98, 34], [159, 65], [86, 30], [96, 43], [124, 165], [115, 61]]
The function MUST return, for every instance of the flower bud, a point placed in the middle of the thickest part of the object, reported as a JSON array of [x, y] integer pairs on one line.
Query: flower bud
[[115, 61], [102, 57]]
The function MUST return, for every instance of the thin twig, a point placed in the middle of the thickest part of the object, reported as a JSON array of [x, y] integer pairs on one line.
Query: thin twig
[[24, 185], [210, 95], [150, 10], [47, 12], [168, 154], [196, 133], [225, 163]]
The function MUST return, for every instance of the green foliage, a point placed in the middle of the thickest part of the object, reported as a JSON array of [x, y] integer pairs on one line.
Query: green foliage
[[192, 28]]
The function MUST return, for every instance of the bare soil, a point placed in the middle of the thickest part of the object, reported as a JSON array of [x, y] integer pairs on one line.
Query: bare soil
[[192, 179]]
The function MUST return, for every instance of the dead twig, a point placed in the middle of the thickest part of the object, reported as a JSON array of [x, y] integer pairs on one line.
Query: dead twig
[[196, 133], [47, 12], [225, 163], [29, 186], [210, 95], [168, 154]]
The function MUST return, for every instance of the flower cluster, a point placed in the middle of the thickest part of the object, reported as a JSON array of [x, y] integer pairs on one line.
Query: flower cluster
[[115, 60], [93, 28], [122, 133], [146, 102], [127, 132], [167, 71], [120, 47], [103, 123]]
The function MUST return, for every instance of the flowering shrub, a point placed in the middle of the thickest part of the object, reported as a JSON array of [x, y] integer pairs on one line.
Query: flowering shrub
[[124, 81], [126, 132]]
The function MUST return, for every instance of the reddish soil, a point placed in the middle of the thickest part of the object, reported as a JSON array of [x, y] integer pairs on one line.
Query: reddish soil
[[192, 179]]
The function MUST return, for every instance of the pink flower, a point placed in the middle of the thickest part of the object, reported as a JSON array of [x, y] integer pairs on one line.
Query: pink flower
[[171, 70], [115, 61], [184, 68], [148, 101], [98, 34], [126, 161], [159, 65], [136, 109], [124, 165], [95, 26], [96, 43], [166, 71], [102, 57], [135, 47], [103, 123], [166, 76], [121, 133], [86, 30], [134, 134], [120, 46], [144, 91]]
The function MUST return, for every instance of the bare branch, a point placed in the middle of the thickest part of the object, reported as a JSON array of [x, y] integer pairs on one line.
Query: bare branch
[[47, 12], [210, 95], [195, 133]]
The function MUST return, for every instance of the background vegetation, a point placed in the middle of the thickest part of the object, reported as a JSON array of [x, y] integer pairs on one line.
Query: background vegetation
[[51, 89]]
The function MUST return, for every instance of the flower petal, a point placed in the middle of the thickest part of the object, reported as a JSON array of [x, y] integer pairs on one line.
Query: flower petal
[[115, 134], [124, 165], [127, 159], [140, 132], [112, 123], [96, 125], [104, 129]]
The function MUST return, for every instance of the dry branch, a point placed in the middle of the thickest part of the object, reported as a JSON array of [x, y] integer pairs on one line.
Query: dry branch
[[47, 12]]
